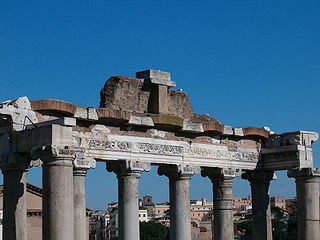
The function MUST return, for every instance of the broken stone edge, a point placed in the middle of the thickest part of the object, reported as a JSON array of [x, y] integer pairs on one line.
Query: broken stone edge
[[54, 107]]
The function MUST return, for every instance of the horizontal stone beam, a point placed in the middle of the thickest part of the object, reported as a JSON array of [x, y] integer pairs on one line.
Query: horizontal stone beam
[[27, 140], [114, 147], [286, 157], [64, 121]]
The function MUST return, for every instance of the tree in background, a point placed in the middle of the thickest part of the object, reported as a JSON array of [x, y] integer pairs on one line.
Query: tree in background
[[153, 231]]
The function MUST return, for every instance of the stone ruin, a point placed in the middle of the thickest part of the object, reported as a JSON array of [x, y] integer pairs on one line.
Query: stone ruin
[[141, 122]]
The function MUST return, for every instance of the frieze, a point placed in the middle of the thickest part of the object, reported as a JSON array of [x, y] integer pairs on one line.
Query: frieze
[[219, 154], [110, 145], [164, 149], [281, 157], [160, 149]]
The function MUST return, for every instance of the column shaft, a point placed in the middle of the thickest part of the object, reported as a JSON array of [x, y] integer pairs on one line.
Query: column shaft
[[308, 208], [307, 186], [128, 174], [58, 210], [180, 223], [223, 209], [14, 205], [261, 211], [128, 206], [80, 223]]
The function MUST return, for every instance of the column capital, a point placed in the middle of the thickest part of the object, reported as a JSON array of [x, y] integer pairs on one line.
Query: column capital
[[16, 161], [266, 176], [178, 171], [59, 155], [128, 167], [81, 164], [303, 172], [220, 173]]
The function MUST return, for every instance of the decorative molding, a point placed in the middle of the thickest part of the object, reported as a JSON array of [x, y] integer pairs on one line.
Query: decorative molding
[[109, 145], [159, 148], [92, 142], [178, 171], [84, 163], [15, 161], [303, 172], [266, 176], [128, 167], [220, 173], [303, 138]]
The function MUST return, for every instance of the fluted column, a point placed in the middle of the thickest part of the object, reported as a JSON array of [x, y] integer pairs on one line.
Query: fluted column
[[261, 211], [179, 189], [307, 187], [81, 166], [14, 198], [222, 199], [128, 174], [57, 200]]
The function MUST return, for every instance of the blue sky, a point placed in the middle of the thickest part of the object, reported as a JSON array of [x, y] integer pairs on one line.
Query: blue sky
[[247, 63]]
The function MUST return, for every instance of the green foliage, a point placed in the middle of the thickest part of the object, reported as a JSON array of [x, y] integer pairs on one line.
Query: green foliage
[[278, 213], [245, 227], [278, 229], [153, 231]]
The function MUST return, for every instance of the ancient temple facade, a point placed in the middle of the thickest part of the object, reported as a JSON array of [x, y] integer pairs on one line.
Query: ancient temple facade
[[141, 122]]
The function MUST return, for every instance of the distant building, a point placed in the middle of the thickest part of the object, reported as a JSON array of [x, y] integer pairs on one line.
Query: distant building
[[241, 204], [34, 212], [112, 223], [201, 210], [278, 202], [99, 220]]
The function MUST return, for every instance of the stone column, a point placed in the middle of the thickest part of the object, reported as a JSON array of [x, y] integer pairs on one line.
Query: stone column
[[261, 211], [179, 189], [307, 187], [81, 166], [128, 174], [57, 198], [222, 199], [14, 198]]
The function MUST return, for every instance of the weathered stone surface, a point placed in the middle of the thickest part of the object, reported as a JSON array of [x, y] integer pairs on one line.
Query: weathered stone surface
[[156, 77], [222, 199], [104, 113], [261, 212], [227, 130], [136, 119], [209, 123], [64, 121], [157, 133], [304, 138], [307, 188], [18, 114], [189, 126], [179, 188], [179, 104], [238, 132], [98, 128], [86, 113], [255, 131], [167, 120], [125, 93], [299, 138], [286, 157], [54, 107]]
